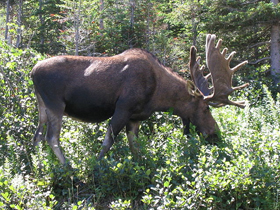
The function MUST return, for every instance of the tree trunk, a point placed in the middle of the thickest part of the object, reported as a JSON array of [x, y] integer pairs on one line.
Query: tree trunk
[[131, 33], [147, 34], [275, 50], [77, 29], [7, 20], [101, 23], [19, 23], [42, 21]]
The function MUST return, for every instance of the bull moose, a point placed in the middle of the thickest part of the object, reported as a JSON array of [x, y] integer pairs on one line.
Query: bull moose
[[129, 87]]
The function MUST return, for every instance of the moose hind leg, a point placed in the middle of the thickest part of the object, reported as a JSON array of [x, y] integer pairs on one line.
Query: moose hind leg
[[53, 132], [42, 121]]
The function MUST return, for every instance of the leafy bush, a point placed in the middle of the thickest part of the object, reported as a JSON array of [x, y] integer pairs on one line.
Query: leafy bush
[[17, 104], [174, 171]]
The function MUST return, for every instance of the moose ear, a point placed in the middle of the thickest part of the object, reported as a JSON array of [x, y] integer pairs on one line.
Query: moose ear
[[193, 90]]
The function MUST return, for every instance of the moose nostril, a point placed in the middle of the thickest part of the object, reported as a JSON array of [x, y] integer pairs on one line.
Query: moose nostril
[[209, 132]]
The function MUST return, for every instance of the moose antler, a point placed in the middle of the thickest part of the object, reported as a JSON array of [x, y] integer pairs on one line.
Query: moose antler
[[199, 79], [221, 74]]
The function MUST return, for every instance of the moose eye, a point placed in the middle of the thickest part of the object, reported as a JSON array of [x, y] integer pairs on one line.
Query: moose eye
[[207, 109]]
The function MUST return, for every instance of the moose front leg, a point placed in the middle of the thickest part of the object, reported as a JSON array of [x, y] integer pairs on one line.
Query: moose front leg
[[108, 142], [119, 120], [132, 130], [186, 126]]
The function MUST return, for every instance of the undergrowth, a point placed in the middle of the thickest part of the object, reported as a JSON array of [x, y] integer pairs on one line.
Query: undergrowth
[[174, 171]]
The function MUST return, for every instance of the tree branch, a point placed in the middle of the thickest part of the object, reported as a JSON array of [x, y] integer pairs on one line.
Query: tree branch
[[260, 44], [257, 61]]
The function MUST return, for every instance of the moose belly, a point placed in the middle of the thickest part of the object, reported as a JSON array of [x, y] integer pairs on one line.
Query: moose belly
[[89, 105], [88, 112]]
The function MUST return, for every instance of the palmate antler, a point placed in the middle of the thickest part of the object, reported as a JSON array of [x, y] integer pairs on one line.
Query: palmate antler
[[199, 79], [220, 71]]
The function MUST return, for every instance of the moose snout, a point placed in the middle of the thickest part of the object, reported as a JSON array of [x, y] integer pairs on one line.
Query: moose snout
[[213, 135]]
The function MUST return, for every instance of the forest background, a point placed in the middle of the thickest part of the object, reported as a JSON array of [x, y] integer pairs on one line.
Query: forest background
[[241, 173]]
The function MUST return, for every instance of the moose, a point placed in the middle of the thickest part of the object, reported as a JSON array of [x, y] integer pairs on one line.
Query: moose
[[128, 88]]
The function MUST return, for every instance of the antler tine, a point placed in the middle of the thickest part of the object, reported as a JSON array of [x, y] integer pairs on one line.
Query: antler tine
[[230, 56], [234, 69], [240, 104], [200, 81], [224, 51], [221, 73]]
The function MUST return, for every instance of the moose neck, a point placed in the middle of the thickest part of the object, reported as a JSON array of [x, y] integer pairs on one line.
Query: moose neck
[[172, 92]]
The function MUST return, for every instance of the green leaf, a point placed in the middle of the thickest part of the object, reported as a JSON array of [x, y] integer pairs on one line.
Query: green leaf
[[6, 196], [166, 184]]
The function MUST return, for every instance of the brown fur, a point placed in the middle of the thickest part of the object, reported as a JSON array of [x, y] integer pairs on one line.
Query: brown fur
[[128, 87]]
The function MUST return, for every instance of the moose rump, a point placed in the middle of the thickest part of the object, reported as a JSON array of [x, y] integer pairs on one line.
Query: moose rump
[[92, 90]]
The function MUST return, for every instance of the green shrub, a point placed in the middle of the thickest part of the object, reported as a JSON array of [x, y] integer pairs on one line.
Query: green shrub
[[174, 171]]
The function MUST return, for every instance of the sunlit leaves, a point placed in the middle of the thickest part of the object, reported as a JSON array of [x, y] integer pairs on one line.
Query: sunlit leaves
[[17, 99]]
